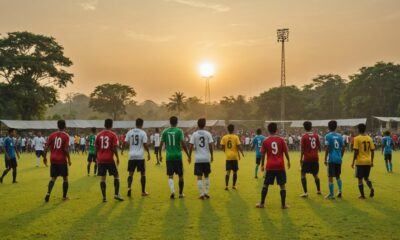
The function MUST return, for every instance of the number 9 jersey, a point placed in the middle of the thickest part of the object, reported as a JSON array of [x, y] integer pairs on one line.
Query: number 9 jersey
[[274, 147], [58, 144]]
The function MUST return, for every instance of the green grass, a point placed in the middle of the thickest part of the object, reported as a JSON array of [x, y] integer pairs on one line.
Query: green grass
[[227, 215]]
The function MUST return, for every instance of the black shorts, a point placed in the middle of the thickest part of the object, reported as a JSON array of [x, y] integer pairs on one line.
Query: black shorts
[[258, 160], [232, 165], [156, 150], [270, 176], [201, 169], [310, 167], [136, 164], [362, 171], [174, 167], [91, 157], [39, 153], [59, 170], [83, 147], [334, 170], [103, 168], [11, 163], [388, 157]]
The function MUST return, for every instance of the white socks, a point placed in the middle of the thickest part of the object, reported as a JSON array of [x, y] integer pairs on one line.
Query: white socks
[[171, 185], [200, 185], [207, 183], [37, 162]]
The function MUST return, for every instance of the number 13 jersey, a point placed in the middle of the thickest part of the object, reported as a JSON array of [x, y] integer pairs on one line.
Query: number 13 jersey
[[201, 140], [274, 147], [106, 141]]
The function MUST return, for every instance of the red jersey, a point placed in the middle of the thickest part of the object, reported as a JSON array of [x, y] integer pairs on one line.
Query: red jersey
[[58, 144], [310, 146], [274, 147], [105, 143]]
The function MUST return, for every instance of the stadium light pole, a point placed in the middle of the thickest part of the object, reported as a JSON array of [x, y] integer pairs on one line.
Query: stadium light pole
[[207, 71], [283, 36]]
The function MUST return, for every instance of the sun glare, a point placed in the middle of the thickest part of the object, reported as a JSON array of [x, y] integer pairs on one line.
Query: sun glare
[[207, 69]]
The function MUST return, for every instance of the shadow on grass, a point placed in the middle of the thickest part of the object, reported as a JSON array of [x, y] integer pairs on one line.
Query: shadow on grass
[[209, 224], [238, 214], [175, 220]]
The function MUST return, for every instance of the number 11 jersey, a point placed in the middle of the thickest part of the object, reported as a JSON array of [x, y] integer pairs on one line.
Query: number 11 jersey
[[201, 140]]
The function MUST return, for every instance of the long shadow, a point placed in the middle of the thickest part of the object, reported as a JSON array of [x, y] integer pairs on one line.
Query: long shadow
[[238, 214], [209, 224], [175, 220]]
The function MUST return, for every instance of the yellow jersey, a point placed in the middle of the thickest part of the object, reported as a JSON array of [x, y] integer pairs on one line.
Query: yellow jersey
[[77, 139], [365, 146], [231, 143]]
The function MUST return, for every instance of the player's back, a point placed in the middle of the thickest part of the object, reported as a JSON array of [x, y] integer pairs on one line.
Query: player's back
[[91, 143], [172, 137], [387, 143], [201, 140], [364, 145], [156, 139], [9, 146], [274, 147], [231, 143], [58, 143], [334, 142], [310, 146], [136, 138], [105, 143], [257, 142]]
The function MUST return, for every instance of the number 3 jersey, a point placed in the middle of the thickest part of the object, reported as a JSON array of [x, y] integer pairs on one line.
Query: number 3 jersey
[[106, 141], [334, 142], [310, 146], [201, 140], [136, 138], [364, 145], [58, 144], [274, 147]]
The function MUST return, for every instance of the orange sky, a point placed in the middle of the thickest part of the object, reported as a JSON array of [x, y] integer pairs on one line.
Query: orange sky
[[156, 45]]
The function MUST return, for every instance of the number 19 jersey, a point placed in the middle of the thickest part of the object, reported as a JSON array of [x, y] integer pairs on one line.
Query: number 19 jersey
[[136, 138], [172, 137], [201, 140], [105, 143], [310, 146], [274, 147], [58, 143]]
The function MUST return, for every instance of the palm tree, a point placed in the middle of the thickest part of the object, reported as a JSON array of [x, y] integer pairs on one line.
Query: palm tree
[[177, 102]]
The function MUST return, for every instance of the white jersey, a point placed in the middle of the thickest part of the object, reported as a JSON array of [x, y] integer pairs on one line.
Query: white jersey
[[136, 138], [201, 139], [157, 139], [39, 142], [71, 140], [83, 140]]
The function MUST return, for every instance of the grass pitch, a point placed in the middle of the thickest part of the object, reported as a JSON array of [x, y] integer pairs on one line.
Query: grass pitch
[[227, 215]]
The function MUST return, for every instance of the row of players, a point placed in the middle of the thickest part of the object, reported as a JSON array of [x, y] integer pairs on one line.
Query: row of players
[[104, 149]]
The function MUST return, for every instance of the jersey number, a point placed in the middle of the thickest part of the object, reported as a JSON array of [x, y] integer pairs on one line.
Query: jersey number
[[135, 140], [57, 143], [202, 142], [229, 144], [171, 140], [365, 146], [313, 142], [336, 144], [274, 147], [105, 142]]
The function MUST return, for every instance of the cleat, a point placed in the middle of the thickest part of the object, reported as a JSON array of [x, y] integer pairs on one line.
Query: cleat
[[65, 198], [372, 193], [330, 197], [361, 197], [285, 207], [234, 188], [256, 177], [259, 205], [119, 198], [47, 198], [319, 193], [339, 195], [226, 189], [104, 200], [304, 195], [129, 193], [145, 194], [181, 195], [172, 196], [202, 197], [14, 182], [207, 196]]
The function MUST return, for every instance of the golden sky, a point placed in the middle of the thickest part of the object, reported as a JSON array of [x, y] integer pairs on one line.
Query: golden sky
[[155, 46]]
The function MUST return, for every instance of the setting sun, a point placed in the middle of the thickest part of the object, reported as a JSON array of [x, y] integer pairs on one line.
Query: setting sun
[[207, 69]]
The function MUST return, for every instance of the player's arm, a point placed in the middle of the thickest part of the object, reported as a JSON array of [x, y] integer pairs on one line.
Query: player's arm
[[301, 151], [160, 151], [210, 146], [147, 150], [286, 152], [383, 147], [240, 150], [68, 156], [326, 154], [262, 160], [191, 149], [372, 152], [45, 149], [183, 144], [356, 152], [115, 150], [16, 151]]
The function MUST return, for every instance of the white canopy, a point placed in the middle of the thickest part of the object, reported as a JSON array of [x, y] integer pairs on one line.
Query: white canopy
[[52, 124], [324, 123], [388, 119]]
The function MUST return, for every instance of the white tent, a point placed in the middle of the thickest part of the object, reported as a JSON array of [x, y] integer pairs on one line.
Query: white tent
[[324, 123]]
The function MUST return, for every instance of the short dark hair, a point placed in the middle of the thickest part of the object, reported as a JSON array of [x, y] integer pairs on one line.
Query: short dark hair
[[332, 125], [259, 131], [272, 128], [10, 130], [201, 123], [108, 123], [231, 128], [307, 125], [362, 127], [173, 121], [61, 124], [157, 130], [139, 122], [387, 133], [93, 129]]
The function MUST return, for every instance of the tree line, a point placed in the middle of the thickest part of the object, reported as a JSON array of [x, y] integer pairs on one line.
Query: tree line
[[33, 67]]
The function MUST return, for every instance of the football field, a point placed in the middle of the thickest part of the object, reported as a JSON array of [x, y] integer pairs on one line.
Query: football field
[[227, 215]]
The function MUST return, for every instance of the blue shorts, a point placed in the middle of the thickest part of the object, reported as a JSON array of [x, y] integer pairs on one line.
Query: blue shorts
[[11, 163]]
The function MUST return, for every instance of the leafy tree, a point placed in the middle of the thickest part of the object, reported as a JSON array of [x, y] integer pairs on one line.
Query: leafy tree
[[112, 99], [235, 107], [177, 103], [31, 66]]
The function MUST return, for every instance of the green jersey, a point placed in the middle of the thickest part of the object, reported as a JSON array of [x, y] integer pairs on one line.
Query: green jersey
[[91, 141], [172, 137]]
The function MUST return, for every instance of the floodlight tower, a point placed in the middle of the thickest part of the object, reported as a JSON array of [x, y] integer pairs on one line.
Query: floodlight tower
[[207, 71], [283, 36]]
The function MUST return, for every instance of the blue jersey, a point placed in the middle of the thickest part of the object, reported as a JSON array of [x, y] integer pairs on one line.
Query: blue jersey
[[387, 144], [334, 142], [257, 143], [9, 146]]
